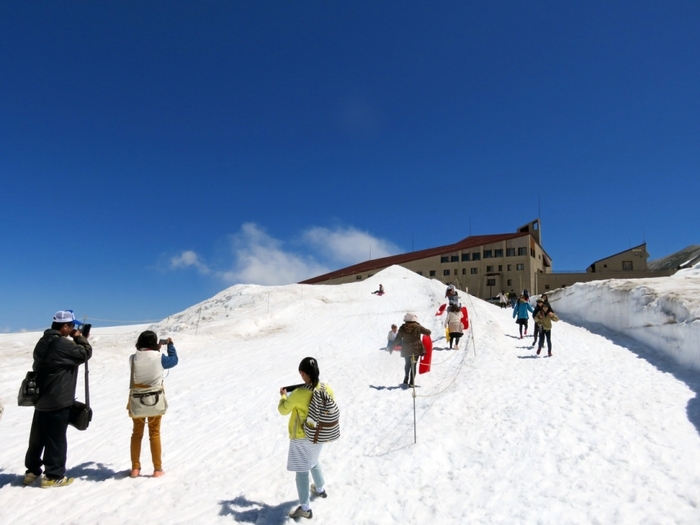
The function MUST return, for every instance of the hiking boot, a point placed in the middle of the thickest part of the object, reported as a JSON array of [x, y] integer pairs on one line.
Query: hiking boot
[[158, 473], [301, 513], [47, 483], [538, 351], [29, 478], [549, 354], [323, 494], [135, 473]]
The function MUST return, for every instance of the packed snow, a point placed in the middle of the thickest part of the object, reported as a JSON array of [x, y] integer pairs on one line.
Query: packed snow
[[606, 431]]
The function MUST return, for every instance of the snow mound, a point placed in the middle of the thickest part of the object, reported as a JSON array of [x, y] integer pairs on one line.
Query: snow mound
[[662, 313]]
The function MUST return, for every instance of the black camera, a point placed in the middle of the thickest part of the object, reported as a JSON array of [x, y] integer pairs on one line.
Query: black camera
[[163, 342], [293, 387], [85, 330]]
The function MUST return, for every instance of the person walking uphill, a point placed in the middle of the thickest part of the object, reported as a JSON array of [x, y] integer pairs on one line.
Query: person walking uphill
[[454, 325], [147, 402], [522, 307], [409, 339], [303, 454], [56, 361]]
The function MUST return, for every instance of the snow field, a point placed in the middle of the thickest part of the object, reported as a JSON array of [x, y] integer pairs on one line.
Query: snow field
[[595, 434]]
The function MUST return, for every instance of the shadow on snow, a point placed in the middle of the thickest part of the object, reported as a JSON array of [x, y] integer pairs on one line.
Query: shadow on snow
[[244, 510]]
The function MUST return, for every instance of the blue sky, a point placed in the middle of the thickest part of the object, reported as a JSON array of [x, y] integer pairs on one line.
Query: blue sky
[[155, 153]]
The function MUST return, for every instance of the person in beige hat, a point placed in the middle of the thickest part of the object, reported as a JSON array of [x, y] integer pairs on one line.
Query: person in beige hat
[[409, 339]]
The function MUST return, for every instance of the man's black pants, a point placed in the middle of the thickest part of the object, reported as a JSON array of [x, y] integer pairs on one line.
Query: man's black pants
[[48, 436]]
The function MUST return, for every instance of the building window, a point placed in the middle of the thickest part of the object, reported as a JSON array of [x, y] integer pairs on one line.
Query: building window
[[519, 266], [489, 269], [510, 282], [474, 271], [522, 251], [627, 266], [465, 257], [454, 258], [510, 252], [419, 273], [444, 259], [532, 253], [510, 267], [358, 277], [546, 287], [500, 267], [432, 273], [487, 254], [464, 271], [498, 253], [446, 273], [490, 282], [476, 256]]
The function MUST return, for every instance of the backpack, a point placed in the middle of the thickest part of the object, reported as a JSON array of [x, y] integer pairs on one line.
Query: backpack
[[323, 422]]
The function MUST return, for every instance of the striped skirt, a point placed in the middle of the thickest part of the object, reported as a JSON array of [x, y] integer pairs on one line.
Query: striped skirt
[[303, 455]]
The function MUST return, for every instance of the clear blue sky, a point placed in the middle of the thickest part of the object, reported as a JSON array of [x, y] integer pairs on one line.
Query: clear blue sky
[[155, 153]]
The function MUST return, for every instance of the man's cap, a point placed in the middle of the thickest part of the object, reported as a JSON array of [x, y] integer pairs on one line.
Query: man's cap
[[65, 316]]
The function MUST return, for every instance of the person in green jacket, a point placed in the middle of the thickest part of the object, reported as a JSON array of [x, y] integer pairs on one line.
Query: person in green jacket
[[303, 454]]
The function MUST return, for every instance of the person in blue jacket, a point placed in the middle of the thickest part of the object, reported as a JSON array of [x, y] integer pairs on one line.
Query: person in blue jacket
[[522, 307]]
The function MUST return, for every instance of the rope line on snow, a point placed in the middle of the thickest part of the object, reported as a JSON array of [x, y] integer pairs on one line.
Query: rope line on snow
[[433, 397]]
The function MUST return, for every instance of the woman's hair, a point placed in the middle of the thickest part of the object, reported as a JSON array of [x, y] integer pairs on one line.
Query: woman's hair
[[454, 308], [309, 366], [147, 339]]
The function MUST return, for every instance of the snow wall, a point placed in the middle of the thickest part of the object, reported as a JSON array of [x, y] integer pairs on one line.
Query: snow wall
[[662, 313]]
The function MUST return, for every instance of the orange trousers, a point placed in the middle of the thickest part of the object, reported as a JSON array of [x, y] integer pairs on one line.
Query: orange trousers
[[154, 438]]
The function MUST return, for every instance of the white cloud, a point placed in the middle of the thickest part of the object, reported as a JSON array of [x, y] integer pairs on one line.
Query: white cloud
[[348, 245], [189, 258], [259, 258]]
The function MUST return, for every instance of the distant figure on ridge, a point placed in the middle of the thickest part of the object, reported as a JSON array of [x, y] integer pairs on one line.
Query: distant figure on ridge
[[380, 291]]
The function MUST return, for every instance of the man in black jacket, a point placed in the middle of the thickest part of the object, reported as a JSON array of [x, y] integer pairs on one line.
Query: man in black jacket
[[56, 361]]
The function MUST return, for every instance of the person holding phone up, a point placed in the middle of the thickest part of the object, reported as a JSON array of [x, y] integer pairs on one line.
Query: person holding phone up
[[147, 402]]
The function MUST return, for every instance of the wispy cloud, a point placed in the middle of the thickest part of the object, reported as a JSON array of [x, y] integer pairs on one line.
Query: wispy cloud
[[348, 245], [189, 258], [259, 258]]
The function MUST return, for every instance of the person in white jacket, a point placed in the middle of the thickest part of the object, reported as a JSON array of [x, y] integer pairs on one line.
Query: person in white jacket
[[147, 365], [454, 324]]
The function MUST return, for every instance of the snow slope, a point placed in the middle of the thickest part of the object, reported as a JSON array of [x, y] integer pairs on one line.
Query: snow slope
[[603, 432]]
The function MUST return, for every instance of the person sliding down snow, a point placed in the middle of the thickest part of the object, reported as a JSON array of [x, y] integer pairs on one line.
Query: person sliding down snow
[[409, 338], [452, 295], [380, 291]]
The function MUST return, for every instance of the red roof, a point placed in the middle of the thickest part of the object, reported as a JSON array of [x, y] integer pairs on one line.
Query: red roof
[[385, 262]]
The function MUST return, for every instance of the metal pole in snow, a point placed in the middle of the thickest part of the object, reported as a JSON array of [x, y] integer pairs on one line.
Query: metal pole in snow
[[198, 318], [413, 371]]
